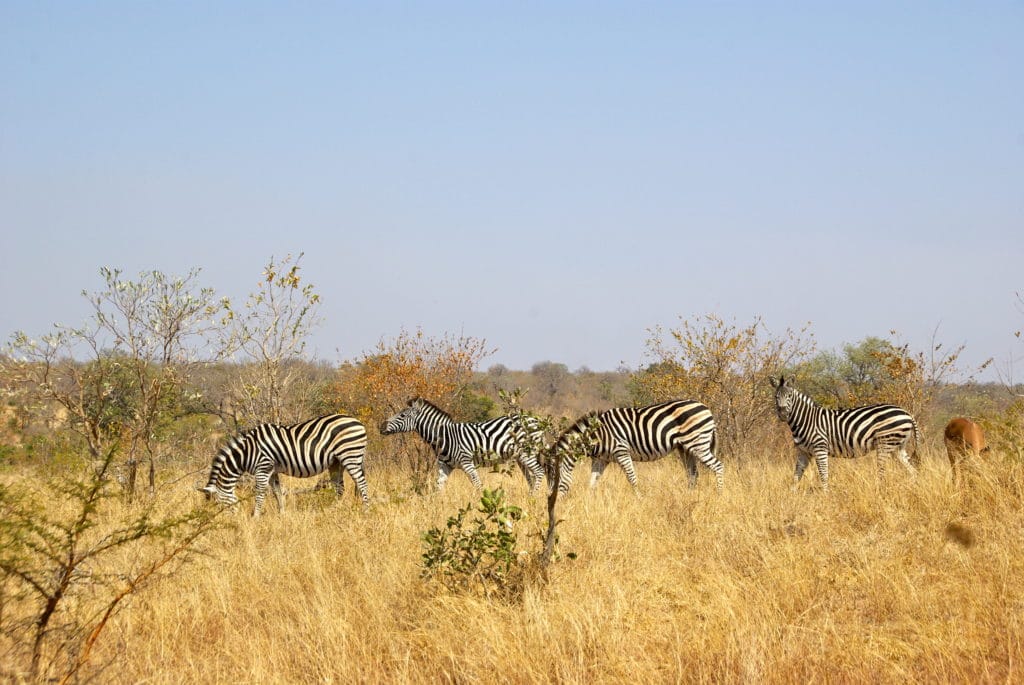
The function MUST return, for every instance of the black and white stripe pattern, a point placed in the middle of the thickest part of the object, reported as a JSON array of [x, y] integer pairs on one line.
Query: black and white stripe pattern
[[461, 444], [628, 434], [819, 432], [334, 443]]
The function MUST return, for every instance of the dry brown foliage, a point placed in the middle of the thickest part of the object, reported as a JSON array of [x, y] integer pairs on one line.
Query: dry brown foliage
[[726, 367]]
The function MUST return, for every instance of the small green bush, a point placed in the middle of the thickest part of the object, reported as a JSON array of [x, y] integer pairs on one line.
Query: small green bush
[[477, 555]]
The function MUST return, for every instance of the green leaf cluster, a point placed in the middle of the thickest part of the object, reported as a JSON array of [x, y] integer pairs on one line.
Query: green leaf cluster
[[477, 553]]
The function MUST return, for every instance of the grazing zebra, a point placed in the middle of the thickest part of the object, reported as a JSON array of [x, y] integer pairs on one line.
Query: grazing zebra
[[649, 433], [819, 432], [458, 444], [329, 443]]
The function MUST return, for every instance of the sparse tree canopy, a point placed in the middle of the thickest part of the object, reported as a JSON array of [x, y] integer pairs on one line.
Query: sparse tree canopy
[[141, 345], [271, 332], [727, 368]]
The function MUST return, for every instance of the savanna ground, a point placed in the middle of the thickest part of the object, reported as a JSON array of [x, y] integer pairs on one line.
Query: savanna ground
[[914, 581]]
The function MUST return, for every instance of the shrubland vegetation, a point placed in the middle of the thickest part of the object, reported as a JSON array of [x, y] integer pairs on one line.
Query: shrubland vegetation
[[877, 581]]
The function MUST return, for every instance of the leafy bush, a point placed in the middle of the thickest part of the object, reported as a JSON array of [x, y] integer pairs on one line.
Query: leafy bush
[[1005, 430], [477, 555], [377, 384]]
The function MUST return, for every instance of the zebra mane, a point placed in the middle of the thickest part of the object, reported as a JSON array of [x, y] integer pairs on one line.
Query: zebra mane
[[222, 458], [235, 440], [801, 395], [427, 403]]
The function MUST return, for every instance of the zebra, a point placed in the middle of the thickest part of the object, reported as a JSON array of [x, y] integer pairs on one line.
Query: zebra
[[819, 432], [457, 444], [329, 443], [650, 433]]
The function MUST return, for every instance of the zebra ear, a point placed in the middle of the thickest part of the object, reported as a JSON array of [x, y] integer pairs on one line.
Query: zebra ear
[[774, 383], [411, 401]]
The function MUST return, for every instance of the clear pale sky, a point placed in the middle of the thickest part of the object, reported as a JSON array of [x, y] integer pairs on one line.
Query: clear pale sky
[[555, 178]]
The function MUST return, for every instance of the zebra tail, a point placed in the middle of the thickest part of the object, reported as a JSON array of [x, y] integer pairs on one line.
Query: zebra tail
[[915, 459]]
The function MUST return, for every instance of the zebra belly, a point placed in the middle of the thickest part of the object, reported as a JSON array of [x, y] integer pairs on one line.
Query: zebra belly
[[638, 454], [311, 468], [479, 455], [847, 451]]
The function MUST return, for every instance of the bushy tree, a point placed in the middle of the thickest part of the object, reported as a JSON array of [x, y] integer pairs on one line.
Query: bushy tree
[[726, 367], [552, 379], [411, 365], [382, 381]]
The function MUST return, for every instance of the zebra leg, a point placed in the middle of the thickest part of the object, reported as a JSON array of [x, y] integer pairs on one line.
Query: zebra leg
[[262, 481], [355, 470], [881, 456], [821, 461], [526, 473], [690, 462], [533, 472], [597, 467], [275, 485], [470, 468], [337, 477], [707, 457], [443, 471], [626, 462], [801, 466], [905, 460]]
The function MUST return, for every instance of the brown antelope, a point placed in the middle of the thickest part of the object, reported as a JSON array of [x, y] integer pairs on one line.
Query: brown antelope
[[963, 438]]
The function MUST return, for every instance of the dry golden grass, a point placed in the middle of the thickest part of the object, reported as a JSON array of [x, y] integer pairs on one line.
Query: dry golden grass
[[912, 582]]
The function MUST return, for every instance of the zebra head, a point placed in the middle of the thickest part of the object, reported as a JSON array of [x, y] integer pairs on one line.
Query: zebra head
[[404, 421], [220, 486], [785, 397], [214, 493]]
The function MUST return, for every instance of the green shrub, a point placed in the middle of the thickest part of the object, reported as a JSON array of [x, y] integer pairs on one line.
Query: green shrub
[[477, 555]]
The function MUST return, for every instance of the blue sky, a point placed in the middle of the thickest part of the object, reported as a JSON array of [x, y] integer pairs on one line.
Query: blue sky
[[555, 178]]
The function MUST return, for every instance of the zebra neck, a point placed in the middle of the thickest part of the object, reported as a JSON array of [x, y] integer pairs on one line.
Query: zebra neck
[[435, 426], [806, 414], [238, 458], [217, 470], [230, 474]]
